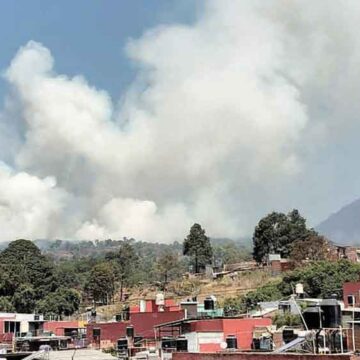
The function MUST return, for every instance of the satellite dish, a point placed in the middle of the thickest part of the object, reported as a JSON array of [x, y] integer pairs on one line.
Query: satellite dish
[[223, 345]]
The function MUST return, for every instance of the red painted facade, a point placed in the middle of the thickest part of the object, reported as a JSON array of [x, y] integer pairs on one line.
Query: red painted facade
[[59, 328], [211, 325], [109, 331], [259, 356], [206, 348], [243, 329], [351, 288], [6, 337], [143, 324]]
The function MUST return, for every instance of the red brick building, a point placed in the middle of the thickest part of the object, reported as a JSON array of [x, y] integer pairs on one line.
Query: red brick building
[[351, 288]]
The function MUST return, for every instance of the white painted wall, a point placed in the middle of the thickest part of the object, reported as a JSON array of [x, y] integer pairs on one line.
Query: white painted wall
[[196, 338]]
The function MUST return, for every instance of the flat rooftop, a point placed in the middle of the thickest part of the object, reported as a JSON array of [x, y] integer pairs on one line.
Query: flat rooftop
[[81, 354]]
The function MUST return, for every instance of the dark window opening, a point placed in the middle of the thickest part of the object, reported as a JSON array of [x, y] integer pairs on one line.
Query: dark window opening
[[11, 327]]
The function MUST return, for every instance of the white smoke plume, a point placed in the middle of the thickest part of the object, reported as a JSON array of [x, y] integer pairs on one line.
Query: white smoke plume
[[226, 120]]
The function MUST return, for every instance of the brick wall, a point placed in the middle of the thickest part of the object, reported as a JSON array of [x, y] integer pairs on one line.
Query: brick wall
[[351, 288]]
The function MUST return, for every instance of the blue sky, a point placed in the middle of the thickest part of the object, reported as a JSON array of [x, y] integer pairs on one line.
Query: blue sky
[[86, 37]]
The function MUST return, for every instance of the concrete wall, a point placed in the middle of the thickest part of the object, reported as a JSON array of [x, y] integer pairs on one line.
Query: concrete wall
[[204, 341]]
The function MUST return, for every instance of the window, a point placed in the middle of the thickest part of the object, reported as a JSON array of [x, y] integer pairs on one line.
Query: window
[[11, 327]]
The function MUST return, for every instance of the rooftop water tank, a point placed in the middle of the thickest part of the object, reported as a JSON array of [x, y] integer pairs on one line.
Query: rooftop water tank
[[209, 303], [168, 343], [126, 313], [160, 299], [331, 313], [130, 331], [122, 344], [299, 289], [289, 335], [181, 344], [312, 316], [231, 342], [138, 341]]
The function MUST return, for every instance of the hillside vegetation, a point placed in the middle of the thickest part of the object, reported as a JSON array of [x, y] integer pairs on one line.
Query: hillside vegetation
[[62, 278]]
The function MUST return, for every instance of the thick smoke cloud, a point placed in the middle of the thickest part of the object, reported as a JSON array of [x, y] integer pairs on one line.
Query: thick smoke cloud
[[227, 119]]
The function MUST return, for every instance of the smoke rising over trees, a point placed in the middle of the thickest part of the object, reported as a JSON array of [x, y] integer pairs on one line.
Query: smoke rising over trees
[[215, 128]]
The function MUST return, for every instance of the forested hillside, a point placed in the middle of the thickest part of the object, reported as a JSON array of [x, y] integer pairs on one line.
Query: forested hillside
[[60, 278], [57, 277]]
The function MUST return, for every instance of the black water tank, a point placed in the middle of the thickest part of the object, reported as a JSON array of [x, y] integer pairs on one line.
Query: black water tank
[[231, 342], [331, 313], [137, 341], [209, 304], [289, 335], [168, 343], [351, 300], [126, 313], [312, 316], [93, 313], [96, 332], [118, 317], [130, 331], [122, 344], [256, 344], [181, 344]]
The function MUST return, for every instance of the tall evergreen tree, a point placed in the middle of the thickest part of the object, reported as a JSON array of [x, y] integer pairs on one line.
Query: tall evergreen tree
[[197, 246]]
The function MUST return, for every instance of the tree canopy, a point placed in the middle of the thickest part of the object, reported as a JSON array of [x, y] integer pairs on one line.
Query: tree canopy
[[168, 267], [320, 279], [23, 262], [61, 302], [276, 232], [101, 283], [125, 262], [197, 245], [313, 247], [27, 278]]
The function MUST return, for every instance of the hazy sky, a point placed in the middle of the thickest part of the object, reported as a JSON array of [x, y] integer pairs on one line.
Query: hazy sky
[[139, 118]]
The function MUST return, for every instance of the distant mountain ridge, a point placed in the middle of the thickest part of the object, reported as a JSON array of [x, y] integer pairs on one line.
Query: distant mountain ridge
[[343, 227]]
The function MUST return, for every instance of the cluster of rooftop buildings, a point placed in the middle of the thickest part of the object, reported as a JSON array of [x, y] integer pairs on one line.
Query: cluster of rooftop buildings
[[164, 329]]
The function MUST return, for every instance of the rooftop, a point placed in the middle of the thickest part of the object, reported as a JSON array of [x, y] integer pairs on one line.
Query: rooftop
[[81, 354]]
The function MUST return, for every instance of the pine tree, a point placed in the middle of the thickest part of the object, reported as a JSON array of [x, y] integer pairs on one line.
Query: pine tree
[[197, 246]]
